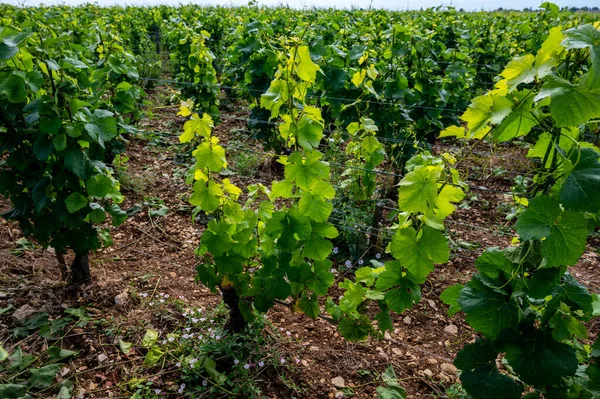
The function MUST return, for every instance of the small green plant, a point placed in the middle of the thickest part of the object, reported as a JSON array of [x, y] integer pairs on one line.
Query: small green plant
[[24, 374]]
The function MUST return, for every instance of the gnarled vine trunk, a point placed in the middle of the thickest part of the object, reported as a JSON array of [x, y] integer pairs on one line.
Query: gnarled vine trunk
[[236, 321], [80, 269]]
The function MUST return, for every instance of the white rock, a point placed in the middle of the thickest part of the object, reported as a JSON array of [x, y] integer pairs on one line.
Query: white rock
[[448, 368], [451, 329], [428, 373], [122, 299], [23, 313], [338, 382], [102, 358], [407, 320]]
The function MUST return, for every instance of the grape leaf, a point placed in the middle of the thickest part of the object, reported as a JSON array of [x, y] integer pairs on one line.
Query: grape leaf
[[488, 311], [564, 233], [418, 253], [540, 360], [580, 190]]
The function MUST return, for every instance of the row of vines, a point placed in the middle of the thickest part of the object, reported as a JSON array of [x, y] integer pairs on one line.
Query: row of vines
[[382, 87]]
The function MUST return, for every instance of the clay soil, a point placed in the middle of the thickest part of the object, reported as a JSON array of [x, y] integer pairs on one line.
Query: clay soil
[[155, 254]]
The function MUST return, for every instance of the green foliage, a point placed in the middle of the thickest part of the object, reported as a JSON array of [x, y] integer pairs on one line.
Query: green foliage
[[55, 137], [522, 299]]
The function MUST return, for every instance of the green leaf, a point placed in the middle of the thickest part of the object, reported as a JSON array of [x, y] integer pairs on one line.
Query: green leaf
[[13, 87], [519, 70], [306, 172], [3, 354], [564, 233], [153, 356], [571, 105], [419, 190], [75, 202], [44, 376], [418, 253], [492, 262], [309, 306], [274, 97], [519, 122], [306, 69], [450, 297], [100, 186], [580, 191], [210, 155], [488, 311], [486, 382], [150, 338], [354, 329], [206, 195], [480, 377], [313, 205], [76, 162], [12, 391], [102, 126], [55, 353], [282, 189], [540, 360], [485, 110], [310, 133], [125, 347], [197, 126], [391, 393], [322, 279], [64, 393]]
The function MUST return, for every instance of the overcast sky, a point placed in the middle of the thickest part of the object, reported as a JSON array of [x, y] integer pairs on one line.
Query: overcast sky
[[390, 4]]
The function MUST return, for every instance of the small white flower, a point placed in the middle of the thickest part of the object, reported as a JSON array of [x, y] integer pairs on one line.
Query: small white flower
[[204, 383], [212, 321], [336, 250], [360, 261], [192, 361], [157, 391], [235, 361], [151, 303], [181, 297], [296, 360], [252, 269], [261, 364], [161, 294], [144, 294], [181, 388], [184, 314], [282, 360], [188, 329], [288, 333], [194, 320], [161, 300], [203, 319], [166, 295], [247, 366], [171, 339], [178, 364], [348, 264], [378, 255], [218, 337]]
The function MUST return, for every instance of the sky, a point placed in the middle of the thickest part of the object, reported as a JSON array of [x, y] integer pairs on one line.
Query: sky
[[388, 4]]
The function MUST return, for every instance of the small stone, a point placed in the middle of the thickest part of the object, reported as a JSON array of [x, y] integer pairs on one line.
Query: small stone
[[387, 336], [432, 304], [122, 299], [396, 351], [432, 361], [428, 373], [448, 368], [444, 377], [172, 274], [451, 329], [23, 313], [338, 382], [339, 395], [304, 363], [407, 320], [102, 358]]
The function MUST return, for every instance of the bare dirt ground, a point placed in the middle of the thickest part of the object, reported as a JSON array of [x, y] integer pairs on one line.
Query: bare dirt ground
[[155, 254]]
